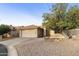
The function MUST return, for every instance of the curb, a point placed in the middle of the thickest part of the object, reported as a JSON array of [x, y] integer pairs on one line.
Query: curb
[[12, 51]]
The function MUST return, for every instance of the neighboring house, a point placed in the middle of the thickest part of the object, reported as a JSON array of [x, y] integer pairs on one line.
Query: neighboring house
[[12, 33], [31, 31]]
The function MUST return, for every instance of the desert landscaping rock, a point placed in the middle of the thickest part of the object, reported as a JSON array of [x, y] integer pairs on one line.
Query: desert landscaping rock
[[48, 48]]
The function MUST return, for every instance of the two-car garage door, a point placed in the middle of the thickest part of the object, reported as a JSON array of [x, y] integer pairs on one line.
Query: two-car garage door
[[29, 33]]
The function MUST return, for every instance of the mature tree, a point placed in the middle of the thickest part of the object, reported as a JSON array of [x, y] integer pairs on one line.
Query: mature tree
[[73, 17], [4, 29], [62, 18], [55, 19]]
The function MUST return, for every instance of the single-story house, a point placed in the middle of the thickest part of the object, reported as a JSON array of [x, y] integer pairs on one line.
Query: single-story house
[[31, 31]]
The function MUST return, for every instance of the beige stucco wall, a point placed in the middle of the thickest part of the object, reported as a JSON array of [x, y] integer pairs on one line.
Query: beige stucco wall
[[0, 37], [28, 33], [52, 32]]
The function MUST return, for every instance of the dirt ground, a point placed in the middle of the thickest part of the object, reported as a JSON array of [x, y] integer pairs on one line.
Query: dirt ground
[[41, 47]]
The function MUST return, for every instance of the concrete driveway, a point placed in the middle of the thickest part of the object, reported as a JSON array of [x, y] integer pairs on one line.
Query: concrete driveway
[[11, 43]]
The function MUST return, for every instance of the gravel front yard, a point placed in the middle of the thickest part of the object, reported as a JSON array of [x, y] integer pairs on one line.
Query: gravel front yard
[[40, 47]]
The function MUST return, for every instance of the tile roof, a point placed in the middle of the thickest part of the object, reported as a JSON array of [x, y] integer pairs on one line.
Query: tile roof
[[28, 27]]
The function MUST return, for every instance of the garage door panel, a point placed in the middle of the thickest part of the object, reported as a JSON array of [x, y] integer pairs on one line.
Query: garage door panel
[[29, 33]]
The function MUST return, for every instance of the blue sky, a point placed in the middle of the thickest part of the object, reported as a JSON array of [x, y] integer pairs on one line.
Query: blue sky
[[23, 14]]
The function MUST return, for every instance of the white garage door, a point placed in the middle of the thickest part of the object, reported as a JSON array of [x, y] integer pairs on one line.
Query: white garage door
[[29, 33]]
